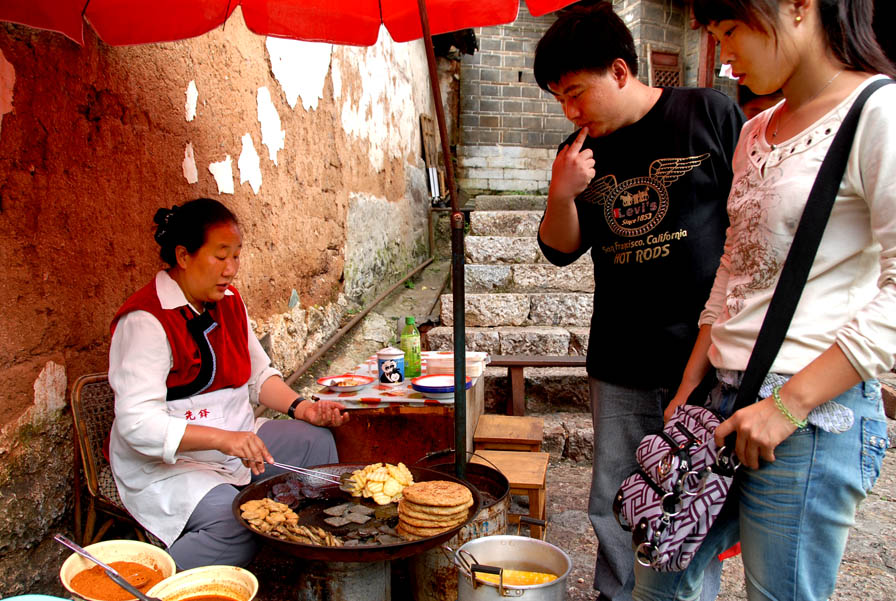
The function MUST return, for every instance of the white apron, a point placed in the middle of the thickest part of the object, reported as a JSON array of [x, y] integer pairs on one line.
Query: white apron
[[162, 496]]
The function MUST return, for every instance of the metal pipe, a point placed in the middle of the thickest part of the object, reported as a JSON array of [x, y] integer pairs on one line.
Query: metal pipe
[[457, 258], [338, 335]]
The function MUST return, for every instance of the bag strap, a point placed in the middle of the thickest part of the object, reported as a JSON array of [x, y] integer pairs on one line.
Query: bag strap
[[802, 252]]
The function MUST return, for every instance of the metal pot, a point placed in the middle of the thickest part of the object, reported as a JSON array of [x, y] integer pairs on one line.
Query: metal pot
[[434, 575], [495, 553]]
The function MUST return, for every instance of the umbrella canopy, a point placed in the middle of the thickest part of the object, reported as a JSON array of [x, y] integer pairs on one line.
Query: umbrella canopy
[[354, 22]]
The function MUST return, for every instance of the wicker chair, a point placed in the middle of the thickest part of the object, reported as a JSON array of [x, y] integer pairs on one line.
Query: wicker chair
[[93, 409]]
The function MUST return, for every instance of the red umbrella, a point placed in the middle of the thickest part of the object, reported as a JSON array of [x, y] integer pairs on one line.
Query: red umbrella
[[353, 22]]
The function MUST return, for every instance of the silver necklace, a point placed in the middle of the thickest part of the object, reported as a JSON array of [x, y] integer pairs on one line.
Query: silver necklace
[[811, 98]]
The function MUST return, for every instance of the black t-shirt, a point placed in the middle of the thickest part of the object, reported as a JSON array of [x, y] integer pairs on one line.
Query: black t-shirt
[[654, 218]]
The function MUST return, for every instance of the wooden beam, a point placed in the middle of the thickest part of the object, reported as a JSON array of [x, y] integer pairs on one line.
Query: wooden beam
[[707, 66]]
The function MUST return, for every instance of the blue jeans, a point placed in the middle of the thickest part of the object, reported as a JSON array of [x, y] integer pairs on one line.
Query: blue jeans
[[792, 516], [622, 416]]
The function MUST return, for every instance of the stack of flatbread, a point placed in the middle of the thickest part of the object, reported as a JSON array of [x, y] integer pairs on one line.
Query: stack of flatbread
[[431, 508]]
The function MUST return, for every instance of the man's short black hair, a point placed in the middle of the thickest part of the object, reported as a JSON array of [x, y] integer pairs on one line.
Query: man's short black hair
[[583, 38]]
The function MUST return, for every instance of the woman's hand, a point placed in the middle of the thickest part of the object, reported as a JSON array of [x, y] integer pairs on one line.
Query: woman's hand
[[328, 414], [245, 445], [677, 401], [760, 428]]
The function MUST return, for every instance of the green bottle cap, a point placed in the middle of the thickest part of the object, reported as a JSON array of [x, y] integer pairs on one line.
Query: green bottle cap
[[409, 320]]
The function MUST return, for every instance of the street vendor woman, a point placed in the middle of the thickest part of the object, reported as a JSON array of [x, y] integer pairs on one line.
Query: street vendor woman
[[187, 370]]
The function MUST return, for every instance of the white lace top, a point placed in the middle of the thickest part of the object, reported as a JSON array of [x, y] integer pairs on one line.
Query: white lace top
[[850, 296]]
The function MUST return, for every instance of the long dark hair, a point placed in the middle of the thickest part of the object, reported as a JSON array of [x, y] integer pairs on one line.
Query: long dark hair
[[187, 225], [847, 26]]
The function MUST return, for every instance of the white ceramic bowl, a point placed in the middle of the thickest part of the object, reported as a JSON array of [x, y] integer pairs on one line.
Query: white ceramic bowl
[[225, 581], [116, 550]]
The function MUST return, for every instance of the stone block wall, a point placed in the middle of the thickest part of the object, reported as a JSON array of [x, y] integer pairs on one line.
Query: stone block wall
[[509, 127]]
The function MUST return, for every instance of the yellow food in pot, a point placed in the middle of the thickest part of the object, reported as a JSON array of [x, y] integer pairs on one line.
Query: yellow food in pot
[[518, 578]]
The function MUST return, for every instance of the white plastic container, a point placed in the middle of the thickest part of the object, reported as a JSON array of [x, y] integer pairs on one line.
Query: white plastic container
[[443, 363]]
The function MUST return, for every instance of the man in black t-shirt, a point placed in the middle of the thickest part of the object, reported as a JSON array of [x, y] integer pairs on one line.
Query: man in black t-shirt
[[642, 185]]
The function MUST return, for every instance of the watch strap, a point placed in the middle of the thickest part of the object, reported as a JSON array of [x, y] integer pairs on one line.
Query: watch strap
[[291, 412]]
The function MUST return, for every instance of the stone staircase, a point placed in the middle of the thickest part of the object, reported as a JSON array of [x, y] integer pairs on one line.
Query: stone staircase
[[517, 303]]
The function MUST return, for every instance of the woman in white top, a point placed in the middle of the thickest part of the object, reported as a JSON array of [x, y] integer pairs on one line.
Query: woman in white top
[[187, 369], [813, 442]]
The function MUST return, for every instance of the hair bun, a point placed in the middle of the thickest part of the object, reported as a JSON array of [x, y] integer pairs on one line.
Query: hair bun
[[163, 218]]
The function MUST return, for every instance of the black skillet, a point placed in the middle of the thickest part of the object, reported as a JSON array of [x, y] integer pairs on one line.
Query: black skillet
[[319, 495]]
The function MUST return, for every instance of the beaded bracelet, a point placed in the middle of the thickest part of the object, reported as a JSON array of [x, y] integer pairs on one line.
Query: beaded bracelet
[[776, 393]]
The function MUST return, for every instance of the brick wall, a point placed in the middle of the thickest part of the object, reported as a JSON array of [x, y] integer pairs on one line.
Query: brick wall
[[510, 128]]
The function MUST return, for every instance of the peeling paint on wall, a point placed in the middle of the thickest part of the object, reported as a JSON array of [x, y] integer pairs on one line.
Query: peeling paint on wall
[[191, 174], [223, 172], [192, 97], [381, 239], [385, 113], [300, 68], [7, 83], [272, 135], [249, 164]]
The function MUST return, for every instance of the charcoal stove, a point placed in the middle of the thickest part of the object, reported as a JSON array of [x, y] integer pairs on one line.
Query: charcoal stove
[[346, 573]]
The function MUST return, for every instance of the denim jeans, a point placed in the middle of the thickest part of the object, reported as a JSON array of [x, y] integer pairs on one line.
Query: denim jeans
[[792, 516], [622, 416]]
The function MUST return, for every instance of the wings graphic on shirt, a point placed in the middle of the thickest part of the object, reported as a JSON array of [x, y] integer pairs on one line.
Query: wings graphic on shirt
[[598, 189], [668, 171]]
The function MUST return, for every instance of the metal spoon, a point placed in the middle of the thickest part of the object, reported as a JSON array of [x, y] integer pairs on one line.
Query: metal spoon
[[110, 571]]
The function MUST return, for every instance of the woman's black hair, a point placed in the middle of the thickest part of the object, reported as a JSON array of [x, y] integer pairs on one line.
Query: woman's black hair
[[583, 38], [187, 225], [847, 26]]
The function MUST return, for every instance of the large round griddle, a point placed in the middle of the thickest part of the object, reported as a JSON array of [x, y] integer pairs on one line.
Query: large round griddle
[[322, 494]]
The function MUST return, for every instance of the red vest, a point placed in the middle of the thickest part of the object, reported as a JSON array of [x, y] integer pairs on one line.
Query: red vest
[[210, 351]]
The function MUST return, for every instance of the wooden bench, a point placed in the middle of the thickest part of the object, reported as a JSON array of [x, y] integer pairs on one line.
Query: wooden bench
[[515, 364]]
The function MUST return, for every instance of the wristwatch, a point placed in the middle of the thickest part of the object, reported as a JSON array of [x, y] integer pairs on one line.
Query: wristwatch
[[291, 412]]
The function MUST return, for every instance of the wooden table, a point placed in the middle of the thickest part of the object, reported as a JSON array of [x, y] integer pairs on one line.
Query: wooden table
[[397, 423]]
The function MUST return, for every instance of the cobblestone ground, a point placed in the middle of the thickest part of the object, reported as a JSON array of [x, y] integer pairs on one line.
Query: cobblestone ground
[[868, 571]]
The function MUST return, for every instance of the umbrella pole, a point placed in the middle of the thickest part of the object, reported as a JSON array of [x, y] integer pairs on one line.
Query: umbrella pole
[[457, 259]]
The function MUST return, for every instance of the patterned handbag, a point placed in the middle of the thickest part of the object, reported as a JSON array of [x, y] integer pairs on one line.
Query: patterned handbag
[[682, 481], [672, 499]]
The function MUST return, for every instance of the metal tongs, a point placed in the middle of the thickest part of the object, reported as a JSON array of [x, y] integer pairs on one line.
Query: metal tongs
[[110, 571], [341, 480]]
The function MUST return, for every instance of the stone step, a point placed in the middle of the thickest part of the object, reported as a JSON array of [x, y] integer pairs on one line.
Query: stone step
[[490, 250], [528, 277], [523, 309], [547, 389], [505, 223], [568, 436], [509, 202], [525, 340]]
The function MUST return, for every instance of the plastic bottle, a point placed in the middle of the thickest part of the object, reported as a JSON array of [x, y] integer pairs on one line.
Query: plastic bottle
[[410, 344]]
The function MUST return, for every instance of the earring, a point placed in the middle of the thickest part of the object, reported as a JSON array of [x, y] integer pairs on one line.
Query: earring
[[798, 19]]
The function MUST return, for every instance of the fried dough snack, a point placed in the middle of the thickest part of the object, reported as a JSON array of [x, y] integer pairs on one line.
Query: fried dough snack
[[277, 519], [381, 482]]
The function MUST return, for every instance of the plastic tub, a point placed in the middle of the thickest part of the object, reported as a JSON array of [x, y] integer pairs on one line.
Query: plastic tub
[[443, 363]]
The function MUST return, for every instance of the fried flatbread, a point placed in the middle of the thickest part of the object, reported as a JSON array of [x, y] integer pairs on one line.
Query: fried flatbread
[[433, 510], [430, 523], [406, 535], [438, 493], [424, 532], [404, 508]]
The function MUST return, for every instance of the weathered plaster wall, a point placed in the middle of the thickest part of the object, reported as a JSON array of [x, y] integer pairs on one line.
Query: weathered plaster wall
[[319, 144]]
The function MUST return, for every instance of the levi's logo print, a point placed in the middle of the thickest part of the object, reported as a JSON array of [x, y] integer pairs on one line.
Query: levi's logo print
[[637, 206]]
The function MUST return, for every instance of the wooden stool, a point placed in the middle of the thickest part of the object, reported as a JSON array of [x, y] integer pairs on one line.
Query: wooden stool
[[526, 473], [508, 433]]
